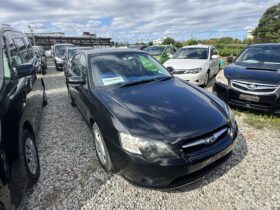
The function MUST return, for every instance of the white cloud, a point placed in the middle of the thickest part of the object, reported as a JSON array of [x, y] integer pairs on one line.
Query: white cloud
[[135, 20]]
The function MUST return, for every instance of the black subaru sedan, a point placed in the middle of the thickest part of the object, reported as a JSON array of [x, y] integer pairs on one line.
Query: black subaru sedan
[[157, 130], [252, 81]]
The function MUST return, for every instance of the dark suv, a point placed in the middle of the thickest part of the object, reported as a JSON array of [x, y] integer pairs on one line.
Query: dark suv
[[22, 95], [252, 81]]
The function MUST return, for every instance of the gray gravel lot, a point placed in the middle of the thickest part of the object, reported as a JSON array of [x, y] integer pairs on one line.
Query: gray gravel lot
[[71, 177]]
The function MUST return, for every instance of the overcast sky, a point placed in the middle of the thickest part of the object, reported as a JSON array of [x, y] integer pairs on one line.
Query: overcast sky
[[137, 20]]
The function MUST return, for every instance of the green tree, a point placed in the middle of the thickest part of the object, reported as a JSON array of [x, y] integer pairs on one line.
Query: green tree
[[178, 45], [150, 43], [168, 41], [268, 29]]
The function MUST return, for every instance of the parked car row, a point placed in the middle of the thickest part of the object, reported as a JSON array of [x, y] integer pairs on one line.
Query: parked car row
[[22, 95], [252, 81], [149, 118], [138, 127]]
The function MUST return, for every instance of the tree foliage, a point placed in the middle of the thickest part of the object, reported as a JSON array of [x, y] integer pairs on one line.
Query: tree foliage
[[268, 29], [169, 41]]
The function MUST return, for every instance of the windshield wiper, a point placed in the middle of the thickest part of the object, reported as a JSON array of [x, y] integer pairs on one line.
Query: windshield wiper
[[260, 68], [144, 81]]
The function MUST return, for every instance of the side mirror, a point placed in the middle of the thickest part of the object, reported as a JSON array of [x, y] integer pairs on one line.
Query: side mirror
[[170, 69], [214, 57], [25, 70], [76, 81]]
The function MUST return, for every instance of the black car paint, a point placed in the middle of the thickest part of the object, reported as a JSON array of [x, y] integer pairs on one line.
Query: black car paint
[[20, 108], [176, 115], [263, 74]]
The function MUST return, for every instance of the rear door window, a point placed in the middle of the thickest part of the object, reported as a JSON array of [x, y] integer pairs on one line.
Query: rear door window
[[22, 49], [12, 50]]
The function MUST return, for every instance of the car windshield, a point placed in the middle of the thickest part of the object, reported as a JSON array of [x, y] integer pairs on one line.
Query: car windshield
[[260, 55], [155, 50], [192, 53], [60, 50], [118, 69], [71, 53]]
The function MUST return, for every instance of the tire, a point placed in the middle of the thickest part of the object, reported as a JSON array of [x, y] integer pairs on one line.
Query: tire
[[206, 79], [4, 167], [29, 156], [71, 100], [101, 149], [45, 99], [44, 70]]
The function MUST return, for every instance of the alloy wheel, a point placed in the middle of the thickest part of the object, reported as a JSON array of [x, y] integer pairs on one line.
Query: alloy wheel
[[100, 147], [31, 156]]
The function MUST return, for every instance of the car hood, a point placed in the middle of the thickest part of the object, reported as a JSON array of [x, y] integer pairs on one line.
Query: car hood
[[171, 109], [185, 63], [246, 72]]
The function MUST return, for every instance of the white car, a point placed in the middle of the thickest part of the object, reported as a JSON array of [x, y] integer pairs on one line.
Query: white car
[[196, 63]]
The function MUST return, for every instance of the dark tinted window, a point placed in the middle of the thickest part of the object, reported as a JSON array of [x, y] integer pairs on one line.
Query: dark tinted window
[[16, 58], [260, 55], [75, 65], [22, 49], [192, 53]]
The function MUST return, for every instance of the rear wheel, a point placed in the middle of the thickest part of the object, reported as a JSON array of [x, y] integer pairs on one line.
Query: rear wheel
[[101, 149], [45, 99], [29, 155]]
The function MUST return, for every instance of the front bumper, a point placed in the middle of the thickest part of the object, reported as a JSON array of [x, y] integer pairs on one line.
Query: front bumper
[[59, 65], [166, 173], [196, 79], [267, 103]]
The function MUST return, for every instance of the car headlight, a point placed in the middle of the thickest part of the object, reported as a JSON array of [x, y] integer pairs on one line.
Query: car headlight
[[58, 60], [149, 149], [220, 78], [193, 71], [233, 127]]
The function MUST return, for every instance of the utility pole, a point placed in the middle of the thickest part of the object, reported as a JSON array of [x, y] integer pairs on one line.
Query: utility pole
[[32, 34]]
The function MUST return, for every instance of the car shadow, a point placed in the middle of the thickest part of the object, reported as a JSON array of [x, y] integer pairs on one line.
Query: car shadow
[[238, 154]]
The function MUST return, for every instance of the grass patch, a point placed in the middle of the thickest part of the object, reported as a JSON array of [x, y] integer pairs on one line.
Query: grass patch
[[259, 120]]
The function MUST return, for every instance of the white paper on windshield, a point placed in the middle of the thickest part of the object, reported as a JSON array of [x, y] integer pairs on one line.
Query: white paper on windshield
[[112, 80]]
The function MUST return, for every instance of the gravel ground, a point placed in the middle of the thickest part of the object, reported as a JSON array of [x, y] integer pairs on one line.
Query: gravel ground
[[71, 177]]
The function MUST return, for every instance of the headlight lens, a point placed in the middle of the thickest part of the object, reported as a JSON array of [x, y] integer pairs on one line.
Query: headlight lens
[[232, 130], [221, 78], [59, 60], [193, 71], [149, 149]]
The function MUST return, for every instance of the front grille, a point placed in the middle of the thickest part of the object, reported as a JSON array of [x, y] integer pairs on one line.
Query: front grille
[[254, 88], [202, 143]]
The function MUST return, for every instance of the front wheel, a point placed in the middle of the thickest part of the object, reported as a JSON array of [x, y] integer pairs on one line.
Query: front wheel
[[4, 167], [30, 157], [101, 149], [206, 79]]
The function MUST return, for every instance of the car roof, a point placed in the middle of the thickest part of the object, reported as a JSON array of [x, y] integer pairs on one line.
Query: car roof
[[264, 44], [198, 46], [160, 45], [111, 50], [79, 48]]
